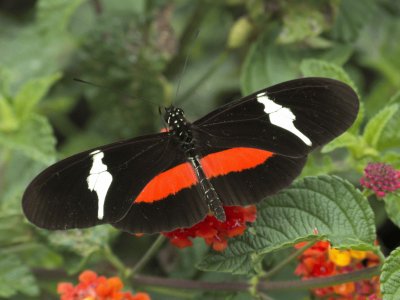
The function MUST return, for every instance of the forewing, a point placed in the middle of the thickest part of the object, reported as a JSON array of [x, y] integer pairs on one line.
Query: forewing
[[99, 185], [251, 185], [291, 118]]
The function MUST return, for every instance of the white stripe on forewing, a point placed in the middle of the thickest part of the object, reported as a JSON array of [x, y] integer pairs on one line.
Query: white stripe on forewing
[[99, 180], [281, 116]]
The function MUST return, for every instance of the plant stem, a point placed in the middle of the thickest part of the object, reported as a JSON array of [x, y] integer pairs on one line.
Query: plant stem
[[262, 286], [263, 296], [238, 286], [286, 261], [382, 257], [148, 255], [7, 249], [366, 193], [206, 76], [116, 262], [98, 8], [194, 23]]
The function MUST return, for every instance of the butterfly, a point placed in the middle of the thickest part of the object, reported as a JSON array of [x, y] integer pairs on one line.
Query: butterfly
[[238, 154]]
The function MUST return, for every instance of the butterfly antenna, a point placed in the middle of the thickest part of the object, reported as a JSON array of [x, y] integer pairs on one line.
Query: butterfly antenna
[[89, 83], [185, 64], [109, 89]]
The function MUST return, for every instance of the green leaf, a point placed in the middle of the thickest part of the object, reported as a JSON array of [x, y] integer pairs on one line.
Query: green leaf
[[351, 17], [338, 54], [355, 128], [12, 230], [47, 44], [83, 242], [31, 93], [378, 47], [17, 171], [40, 256], [34, 138], [321, 68], [183, 264], [8, 119], [350, 139], [390, 137], [55, 14], [268, 63], [392, 207], [15, 277], [395, 98], [377, 124], [318, 165], [344, 141], [393, 158], [390, 276], [301, 22], [328, 205], [5, 81]]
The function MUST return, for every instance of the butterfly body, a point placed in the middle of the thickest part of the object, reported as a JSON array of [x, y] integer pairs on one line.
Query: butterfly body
[[236, 155], [180, 129]]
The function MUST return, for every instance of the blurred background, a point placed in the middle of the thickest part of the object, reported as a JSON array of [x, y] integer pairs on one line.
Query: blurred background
[[133, 55]]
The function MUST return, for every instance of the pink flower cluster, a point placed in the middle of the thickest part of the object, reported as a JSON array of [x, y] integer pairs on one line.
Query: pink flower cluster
[[381, 178]]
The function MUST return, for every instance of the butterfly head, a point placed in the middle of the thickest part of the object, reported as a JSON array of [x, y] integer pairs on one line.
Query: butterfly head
[[173, 114]]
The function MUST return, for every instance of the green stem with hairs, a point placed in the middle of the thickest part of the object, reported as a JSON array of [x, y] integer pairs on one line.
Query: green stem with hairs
[[286, 261], [169, 284], [240, 286], [148, 255], [116, 262]]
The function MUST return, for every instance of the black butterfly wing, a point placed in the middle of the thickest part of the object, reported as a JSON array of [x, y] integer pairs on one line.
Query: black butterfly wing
[[101, 185], [251, 185], [291, 118], [182, 209], [249, 149], [271, 132]]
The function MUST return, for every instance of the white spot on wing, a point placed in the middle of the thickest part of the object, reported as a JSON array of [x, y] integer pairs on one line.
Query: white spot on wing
[[281, 116], [99, 180]]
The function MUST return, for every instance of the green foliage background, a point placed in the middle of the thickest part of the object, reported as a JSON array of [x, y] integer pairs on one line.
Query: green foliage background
[[136, 51]]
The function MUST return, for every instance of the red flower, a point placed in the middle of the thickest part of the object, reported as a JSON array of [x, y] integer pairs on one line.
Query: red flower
[[381, 178], [314, 262], [322, 260], [94, 287], [214, 232]]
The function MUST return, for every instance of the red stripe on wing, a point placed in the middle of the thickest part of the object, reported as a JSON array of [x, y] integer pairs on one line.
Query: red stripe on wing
[[167, 183], [233, 160], [216, 164]]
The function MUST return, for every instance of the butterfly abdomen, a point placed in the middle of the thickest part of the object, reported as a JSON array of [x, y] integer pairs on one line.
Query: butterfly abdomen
[[180, 128]]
